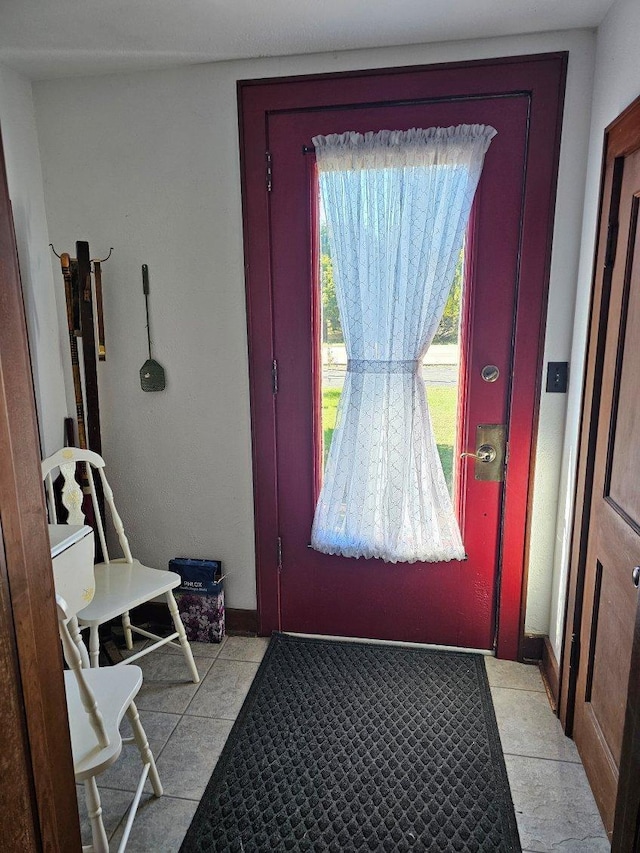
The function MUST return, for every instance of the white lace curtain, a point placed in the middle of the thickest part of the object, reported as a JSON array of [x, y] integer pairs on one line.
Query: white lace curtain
[[396, 205]]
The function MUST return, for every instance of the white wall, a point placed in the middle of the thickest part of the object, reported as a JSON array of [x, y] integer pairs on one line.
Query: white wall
[[564, 265], [148, 163], [616, 84], [24, 177]]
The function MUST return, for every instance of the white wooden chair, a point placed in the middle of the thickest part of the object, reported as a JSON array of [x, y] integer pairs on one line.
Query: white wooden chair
[[121, 584], [97, 700]]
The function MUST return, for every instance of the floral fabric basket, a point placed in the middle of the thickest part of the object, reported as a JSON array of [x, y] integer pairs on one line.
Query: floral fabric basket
[[200, 598]]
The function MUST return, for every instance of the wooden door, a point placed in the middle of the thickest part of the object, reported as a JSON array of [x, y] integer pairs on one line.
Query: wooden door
[[451, 603], [612, 530], [38, 806], [278, 236]]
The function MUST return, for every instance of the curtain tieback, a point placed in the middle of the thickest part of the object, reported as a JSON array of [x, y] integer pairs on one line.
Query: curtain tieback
[[369, 365]]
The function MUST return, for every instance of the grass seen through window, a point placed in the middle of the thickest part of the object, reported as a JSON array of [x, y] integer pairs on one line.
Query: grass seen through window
[[442, 408]]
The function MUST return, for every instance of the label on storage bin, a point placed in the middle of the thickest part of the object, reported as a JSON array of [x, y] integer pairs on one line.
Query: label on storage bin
[[198, 576]]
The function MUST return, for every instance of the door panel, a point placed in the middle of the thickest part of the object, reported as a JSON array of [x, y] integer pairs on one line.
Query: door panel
[[448, 603], [613, 548], [624, 458]]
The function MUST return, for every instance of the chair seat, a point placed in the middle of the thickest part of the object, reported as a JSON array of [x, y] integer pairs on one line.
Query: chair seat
[[114, 690], [121, 586]]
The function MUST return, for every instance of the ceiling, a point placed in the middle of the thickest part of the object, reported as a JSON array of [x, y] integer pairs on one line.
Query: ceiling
[[60, 38]]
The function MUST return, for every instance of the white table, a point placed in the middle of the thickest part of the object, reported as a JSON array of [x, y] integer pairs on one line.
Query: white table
[[72, 552]]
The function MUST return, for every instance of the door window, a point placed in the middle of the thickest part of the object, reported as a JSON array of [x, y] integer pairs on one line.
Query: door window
[[395, 205]]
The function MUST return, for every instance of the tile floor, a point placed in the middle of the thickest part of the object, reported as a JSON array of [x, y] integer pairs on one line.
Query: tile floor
[[187, 726]]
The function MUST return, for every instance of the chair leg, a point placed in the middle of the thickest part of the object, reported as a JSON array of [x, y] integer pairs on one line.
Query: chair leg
[[126, 627], [140, 737], [94, 646], [76, 636], [98, 832], [186, 648]]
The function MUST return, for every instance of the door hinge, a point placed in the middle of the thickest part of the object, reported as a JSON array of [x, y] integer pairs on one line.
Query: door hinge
[[269, 171], [574, 652], [279, 554], [274, 376]]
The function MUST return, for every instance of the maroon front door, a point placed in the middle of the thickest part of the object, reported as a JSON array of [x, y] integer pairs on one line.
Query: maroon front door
[[452, 603]]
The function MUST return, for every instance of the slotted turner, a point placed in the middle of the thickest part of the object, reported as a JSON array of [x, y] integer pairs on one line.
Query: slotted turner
[[152, 376]]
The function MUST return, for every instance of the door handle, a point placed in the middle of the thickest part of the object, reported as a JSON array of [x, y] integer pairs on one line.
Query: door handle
[[485, 453], [635, 575]]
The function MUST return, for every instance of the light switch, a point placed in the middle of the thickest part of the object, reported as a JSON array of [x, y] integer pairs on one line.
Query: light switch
[[557, 377]]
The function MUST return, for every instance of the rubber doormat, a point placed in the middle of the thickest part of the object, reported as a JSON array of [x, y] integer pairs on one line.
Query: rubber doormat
[[347, 747]]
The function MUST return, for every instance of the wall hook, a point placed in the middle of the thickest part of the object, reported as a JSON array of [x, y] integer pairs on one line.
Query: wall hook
[[102, 260]]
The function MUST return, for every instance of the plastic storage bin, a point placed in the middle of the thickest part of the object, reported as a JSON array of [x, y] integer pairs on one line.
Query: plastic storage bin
[[200, 598]]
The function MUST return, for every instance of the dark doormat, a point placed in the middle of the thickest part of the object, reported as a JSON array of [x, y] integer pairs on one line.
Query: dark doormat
[[346, 747]]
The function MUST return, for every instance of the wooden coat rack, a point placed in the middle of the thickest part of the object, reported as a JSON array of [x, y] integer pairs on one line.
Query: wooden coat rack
[[79, 298]]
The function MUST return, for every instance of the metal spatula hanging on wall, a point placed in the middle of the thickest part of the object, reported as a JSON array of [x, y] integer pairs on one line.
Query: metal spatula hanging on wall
[[152, 376]]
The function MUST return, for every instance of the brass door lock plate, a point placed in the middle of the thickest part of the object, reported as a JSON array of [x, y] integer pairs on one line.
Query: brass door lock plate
[[490, 452]]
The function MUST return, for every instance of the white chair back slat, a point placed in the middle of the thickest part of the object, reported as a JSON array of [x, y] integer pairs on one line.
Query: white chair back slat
[[72, 494], [115, 517], [96, 511], [51, 499], [74, 662]]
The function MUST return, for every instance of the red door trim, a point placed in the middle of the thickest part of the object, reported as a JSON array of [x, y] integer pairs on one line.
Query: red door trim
[[543, 76]]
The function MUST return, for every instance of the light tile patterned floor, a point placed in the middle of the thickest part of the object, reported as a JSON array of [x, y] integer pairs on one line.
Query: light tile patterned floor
[[188, 724]]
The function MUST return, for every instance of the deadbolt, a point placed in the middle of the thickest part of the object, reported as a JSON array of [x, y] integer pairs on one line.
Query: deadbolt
[[635, 575], [490, 373]]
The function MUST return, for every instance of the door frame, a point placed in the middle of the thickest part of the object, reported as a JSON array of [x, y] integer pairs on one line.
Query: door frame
[[37, 783], [621, 137], [541, 77]]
